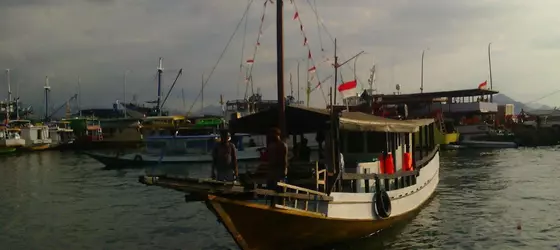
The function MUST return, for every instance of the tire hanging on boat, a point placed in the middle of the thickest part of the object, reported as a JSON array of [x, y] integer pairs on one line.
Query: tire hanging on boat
[[382, 204], [138, 158]]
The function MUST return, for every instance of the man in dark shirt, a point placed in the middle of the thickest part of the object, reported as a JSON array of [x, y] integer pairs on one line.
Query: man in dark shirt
[[277, 159], [224, 159]]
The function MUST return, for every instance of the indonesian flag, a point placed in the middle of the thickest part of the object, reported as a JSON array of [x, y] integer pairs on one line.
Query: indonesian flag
[[305, 41], [348, 89], [483, 85], [309, 54], [296, 15], [250, 61], [312, 69]]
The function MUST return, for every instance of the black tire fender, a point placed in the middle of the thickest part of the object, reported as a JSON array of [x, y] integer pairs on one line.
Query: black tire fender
[[382, 204], [138, 158]]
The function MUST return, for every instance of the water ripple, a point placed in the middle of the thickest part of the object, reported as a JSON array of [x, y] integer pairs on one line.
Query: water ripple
[[501, 199]]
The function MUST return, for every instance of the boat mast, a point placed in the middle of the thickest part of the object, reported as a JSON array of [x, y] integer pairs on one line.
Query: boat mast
[[422, 74], [298, 81], [308, 89], [160, 79], [80, 96], [202, 96], [280, 68], [124, 91], [490, 68], [47, 90], [9, 95], [333, 102]]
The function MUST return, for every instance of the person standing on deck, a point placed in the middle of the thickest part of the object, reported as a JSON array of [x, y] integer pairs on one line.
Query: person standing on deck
[[224, 159], [277, 151]]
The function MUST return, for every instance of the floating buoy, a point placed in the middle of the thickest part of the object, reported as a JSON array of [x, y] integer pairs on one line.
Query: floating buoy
[[389, 165]]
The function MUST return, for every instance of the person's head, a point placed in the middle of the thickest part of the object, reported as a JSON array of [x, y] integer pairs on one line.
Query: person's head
[[274, 134], [224, 136]]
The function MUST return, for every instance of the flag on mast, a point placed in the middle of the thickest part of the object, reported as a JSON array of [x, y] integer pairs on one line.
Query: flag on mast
[[348, 89]]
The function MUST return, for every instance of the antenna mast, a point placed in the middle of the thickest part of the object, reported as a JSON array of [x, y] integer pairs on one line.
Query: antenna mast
[[160, 80], [47, 90]]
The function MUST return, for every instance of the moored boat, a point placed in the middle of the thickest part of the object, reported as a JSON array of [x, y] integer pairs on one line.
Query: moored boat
[[10, 139], [36, 136], [334, 202], [61, 134]]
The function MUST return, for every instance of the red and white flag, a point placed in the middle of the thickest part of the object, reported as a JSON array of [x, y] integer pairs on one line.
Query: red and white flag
[[348, 89], [305, 41], [250, 61], [296, 15], [312, 69], [483, 85]]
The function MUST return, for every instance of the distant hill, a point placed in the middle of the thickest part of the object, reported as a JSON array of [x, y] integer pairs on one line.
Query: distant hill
[[502, 99]]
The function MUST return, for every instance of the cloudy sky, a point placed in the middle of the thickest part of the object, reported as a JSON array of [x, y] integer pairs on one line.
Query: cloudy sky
[[97, 40]]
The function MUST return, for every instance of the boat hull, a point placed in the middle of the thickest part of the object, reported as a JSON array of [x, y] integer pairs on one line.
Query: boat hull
[[349, 216], [487, 144], [7, 150], [141, 160]]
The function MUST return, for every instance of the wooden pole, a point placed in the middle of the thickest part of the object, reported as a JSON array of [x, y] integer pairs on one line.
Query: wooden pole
[[280, 68]]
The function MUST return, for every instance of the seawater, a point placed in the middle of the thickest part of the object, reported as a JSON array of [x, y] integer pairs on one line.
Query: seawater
[[493, 199]]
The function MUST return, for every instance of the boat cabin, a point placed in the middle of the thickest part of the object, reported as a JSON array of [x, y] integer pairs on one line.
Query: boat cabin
[[61, 133], [162, 125], [34, 135], [10, 137], [367, 144], [121, 129]]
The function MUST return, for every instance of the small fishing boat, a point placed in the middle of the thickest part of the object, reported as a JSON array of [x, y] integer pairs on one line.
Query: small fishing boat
[[10, 140], [61, 134], [36, 136], [176, 150]]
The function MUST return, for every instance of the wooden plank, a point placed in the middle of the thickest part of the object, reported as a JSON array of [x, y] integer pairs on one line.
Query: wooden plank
[[300, 210], [282, 184], [310, 197]]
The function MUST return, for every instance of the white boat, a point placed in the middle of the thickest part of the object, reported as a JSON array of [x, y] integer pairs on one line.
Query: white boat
[[36, 136], [10, 139], [363, 198], [61, 134], [176, 150]]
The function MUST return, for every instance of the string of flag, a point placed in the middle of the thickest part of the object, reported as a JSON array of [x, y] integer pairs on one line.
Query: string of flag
[[251, 60], [313, 69]]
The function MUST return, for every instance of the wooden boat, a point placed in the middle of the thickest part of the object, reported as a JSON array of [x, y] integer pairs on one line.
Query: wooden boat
[[323, 202], [339, 204], [36, 136], [61, 134]]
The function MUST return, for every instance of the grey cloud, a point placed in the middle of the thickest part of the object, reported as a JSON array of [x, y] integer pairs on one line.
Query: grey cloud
[[99, 39]]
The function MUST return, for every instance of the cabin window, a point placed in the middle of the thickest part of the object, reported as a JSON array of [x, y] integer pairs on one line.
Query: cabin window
[[355, 142], [376, 142]]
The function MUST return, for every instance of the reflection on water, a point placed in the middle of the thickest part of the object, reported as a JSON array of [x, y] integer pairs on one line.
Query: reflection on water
[[53, 200]]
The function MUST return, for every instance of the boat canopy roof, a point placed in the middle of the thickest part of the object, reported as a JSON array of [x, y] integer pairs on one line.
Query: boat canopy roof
[[302, 120], [358, 121], [159, 118], [429, 97]]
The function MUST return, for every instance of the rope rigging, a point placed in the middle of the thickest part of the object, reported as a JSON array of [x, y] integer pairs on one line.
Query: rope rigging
[[314, 9], [242, 76], [251, 61], [221, 55], [313, 69]]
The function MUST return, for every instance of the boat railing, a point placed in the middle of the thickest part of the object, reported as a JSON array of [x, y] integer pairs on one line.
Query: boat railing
[[294, 203], [388, 182]]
